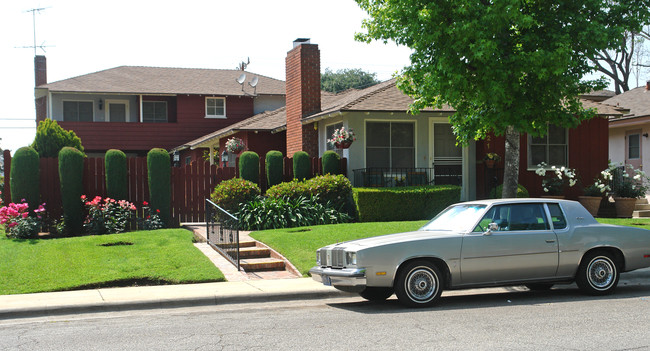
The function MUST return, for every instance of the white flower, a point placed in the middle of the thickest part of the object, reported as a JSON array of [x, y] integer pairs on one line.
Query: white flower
[[572, 182], [637, 177], [545, 190]]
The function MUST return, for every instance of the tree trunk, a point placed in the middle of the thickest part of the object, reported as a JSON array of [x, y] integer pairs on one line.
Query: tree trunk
[[511, 160]]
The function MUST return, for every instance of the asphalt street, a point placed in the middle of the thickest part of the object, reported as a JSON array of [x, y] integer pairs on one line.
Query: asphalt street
[[513, 319]]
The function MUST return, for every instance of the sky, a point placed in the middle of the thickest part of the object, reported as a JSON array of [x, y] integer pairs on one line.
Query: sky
[[89, 36]]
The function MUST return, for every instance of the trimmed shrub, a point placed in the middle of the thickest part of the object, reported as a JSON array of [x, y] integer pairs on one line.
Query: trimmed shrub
[[116, 177], [403, 204], [331, 162], [274, 168], [301, 165], [273, 213], [232, 193], [71, 167], [249, 166], [25, 177], [159, 169], [51, 138], [335, 189], [521, 192]]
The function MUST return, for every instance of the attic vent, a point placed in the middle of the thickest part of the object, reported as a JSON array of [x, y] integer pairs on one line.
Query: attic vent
[[301, 41]]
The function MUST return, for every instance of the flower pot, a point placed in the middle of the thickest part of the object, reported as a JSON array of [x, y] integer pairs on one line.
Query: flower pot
[[236, 150], [490, 163], [624, 206], [591, 203], [343, 144]]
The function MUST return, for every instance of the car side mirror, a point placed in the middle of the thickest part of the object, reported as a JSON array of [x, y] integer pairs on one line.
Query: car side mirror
[[492, 227]]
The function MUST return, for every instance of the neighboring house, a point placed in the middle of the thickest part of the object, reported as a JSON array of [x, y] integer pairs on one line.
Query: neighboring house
[[628, 134], [135, 109], [394, 147]]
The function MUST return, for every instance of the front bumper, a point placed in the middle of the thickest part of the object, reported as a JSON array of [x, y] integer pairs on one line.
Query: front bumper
[[347, 277]]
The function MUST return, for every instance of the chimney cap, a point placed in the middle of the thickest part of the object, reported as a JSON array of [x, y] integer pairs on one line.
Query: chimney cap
[[301, 41]]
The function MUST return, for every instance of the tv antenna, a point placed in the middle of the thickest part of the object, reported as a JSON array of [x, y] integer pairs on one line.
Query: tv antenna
[[242, 65], [241, 79], [42, 46]]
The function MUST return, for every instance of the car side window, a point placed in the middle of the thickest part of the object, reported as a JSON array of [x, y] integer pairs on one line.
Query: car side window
[[559, 222], [528, 217], [496, 214]]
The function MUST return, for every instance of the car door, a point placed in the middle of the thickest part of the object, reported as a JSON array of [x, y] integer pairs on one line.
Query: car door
[[523, 246]]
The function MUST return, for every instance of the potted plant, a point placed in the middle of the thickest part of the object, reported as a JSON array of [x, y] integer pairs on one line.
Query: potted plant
[[235, 145], [342, 138], [627, 188], [491, 158], [593, 195], [557, 179]]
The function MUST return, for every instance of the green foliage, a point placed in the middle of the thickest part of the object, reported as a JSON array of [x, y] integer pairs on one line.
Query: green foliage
[[521, 192], [272, 213], [25, 177], [274, 167], [331, 162], [160, 191], [71, 166], [116, 176], [232, 193], [335, 189], [348, 78], [249, 166], [403, 204], [107, 216], [301, 165], [51, 138]]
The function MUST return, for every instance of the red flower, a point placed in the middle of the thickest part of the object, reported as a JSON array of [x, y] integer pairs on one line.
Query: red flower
[[157, 211], [144, 203], [83, 197]]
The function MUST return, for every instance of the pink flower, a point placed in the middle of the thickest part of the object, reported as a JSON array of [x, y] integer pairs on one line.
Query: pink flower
[[144, 203], [83, 197]]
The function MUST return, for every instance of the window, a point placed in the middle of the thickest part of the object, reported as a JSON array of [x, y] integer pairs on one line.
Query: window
[[78, 111], [117, 110], [390, 144], [329, 130], [154, 111], [551, 148], [215, 107], [559, 222], [633, 147], [517, 217]]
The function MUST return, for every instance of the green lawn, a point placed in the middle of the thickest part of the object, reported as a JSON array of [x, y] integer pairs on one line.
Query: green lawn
[[164, 256], [299, 245]]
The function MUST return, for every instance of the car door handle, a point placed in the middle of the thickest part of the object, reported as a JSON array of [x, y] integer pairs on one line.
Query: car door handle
[[550, 241]]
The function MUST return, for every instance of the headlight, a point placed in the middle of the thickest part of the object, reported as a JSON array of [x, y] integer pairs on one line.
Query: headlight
[[351, 258]]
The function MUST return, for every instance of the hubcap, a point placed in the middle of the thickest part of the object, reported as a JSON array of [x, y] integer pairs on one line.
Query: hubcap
[[601, 273], [421, 284]]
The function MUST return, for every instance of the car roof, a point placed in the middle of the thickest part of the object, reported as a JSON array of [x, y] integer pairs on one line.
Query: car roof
[[516, 200]]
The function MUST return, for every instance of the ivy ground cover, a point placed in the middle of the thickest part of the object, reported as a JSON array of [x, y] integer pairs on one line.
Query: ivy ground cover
[[165, 256]]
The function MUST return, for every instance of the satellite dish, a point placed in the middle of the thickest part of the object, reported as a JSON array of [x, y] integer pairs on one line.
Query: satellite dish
[[253, 83], [241, 78]]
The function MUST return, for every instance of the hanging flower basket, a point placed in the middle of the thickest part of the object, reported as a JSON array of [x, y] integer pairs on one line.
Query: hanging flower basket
[[343, 144], [235, 145], [342, 138]]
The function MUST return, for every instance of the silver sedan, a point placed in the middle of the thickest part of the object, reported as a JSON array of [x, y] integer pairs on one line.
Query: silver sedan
[[532, 242]]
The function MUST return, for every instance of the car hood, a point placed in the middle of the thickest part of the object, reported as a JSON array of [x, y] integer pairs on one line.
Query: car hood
[[399, 238]]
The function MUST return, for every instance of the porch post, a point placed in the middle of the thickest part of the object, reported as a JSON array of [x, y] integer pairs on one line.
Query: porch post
[[211, 155], [468, 190]]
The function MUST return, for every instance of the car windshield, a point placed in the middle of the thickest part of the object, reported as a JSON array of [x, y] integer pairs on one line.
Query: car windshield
[[456, 218]]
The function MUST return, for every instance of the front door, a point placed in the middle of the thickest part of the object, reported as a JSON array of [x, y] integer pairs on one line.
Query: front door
[[633, 154], [523, 247], [447, 157]]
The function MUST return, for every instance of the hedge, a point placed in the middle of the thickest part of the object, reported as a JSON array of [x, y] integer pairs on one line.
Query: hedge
[[403, 203], [249, 166]]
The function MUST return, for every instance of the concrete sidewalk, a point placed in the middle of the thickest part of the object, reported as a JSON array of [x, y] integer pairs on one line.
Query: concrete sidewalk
[[162, 296]]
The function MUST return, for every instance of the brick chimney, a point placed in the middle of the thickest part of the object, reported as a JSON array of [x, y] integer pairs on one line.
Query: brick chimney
[[647, 85], [302, 96], [40, 78]]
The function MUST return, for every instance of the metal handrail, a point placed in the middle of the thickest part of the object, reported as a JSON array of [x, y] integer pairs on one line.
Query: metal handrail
[[222, 235]]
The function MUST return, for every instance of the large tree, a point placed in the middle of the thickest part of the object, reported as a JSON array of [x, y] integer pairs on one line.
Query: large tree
[[625, 61], [346, 78], [506, 66]]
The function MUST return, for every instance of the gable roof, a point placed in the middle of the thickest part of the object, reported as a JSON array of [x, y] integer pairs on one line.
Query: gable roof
[[636, 101], [161, 80]]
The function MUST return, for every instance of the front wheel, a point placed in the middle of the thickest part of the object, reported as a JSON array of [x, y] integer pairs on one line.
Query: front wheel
[[419, 284], [376, 294], [598, 274]]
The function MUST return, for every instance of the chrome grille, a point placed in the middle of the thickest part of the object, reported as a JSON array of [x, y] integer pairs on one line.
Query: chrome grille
[[332, 258]]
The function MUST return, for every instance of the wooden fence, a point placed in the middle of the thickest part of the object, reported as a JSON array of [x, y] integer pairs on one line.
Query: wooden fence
[[190, 184]]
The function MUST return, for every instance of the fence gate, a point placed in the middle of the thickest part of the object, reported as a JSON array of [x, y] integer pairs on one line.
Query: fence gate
[[222, 230]]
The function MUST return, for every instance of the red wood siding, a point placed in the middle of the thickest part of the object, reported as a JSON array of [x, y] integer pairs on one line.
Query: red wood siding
[[187, 122], [588, 154]]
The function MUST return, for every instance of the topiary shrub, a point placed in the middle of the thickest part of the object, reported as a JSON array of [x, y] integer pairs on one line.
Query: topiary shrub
[[159, 171], [116, 176], [333, 189], [403, 203], [498, 191], [249, 166], [71, 167], [51, 138], [232, 193], [25, 177], [331, 162], [301, 165], [274, 167]]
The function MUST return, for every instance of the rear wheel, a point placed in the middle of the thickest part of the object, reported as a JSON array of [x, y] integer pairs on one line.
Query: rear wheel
[[598, 273], [376, 293], [419, 284]]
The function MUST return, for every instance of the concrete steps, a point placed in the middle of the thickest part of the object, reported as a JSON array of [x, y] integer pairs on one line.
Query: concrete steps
[[641, 209], [262, 264]]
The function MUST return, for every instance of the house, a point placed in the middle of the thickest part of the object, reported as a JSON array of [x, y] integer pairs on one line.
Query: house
[[135, 109], [394, 147], [628, 134]]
